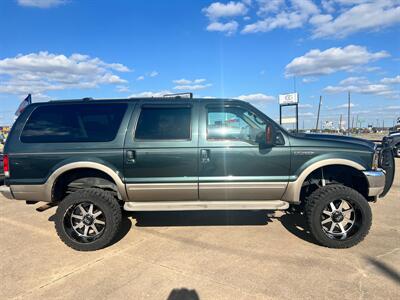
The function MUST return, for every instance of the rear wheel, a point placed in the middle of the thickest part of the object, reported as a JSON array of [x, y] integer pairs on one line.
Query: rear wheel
[[338, 216], [88, 219]]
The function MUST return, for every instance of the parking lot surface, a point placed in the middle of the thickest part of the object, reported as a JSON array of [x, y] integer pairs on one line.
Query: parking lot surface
[[199, 255]]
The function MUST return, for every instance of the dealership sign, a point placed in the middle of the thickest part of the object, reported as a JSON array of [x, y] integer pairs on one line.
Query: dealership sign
[[289, 99]]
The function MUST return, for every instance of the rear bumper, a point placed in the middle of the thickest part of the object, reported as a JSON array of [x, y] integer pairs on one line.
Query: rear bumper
[[6, 192], [376, 180]]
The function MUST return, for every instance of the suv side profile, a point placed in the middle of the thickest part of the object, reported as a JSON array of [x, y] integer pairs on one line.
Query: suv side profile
[[94, 158]]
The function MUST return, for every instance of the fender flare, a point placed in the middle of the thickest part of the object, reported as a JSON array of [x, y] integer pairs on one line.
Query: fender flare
[[292, 193], [49, 185]]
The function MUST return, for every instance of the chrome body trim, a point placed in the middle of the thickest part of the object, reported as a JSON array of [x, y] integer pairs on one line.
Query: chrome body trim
[[6, 192], [205, 205], [241, 190], [292, 193], [162, 191], [376, 180]]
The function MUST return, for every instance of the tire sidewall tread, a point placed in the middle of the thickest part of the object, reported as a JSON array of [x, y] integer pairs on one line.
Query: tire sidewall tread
[[104, 200], [318, 200]]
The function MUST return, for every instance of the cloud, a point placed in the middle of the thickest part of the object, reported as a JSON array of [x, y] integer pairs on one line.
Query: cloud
[[41, 72], [328, 18], [220, 10], [186, 81], [317, 62], [392, 80], [122, 89], [229, 28], [150, 94], [363, 86], [346, 105], [41, 3], [374, 15], [309, 79], [256, 97], [278, 15], [153, 74], [140, 77], [192, 87]]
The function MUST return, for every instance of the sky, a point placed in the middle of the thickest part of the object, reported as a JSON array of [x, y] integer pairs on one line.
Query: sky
[[252, 50]]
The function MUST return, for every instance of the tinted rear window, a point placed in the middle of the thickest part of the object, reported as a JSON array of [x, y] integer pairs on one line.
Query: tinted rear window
[[164, 124], [64, 123]]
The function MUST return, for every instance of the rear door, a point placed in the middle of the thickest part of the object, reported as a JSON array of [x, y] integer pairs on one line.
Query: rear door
[[161, 151]]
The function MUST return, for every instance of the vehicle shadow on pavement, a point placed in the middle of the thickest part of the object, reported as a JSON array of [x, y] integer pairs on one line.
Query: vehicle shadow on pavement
[[295, 223]]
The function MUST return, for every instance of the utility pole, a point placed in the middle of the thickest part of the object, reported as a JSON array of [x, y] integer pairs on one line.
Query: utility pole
[[352, 123], [348, 116], [319, 109], [357, 122], [340, 123]]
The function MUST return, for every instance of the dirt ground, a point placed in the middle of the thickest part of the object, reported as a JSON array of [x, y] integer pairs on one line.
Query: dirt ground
[[199, 255]]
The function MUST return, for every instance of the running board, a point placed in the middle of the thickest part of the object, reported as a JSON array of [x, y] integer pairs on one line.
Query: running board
[[205, 205]]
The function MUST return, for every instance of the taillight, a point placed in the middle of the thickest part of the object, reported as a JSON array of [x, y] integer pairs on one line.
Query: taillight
[[6, 165]]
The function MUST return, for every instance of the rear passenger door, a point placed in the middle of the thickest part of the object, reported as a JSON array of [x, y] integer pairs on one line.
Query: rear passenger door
[[161, 151]]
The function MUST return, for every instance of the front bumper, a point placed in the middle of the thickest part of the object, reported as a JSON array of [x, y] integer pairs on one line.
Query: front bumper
[[376, 180], [6, 192]]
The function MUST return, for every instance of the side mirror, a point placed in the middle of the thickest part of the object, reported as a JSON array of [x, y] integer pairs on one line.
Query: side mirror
[[267, 139]]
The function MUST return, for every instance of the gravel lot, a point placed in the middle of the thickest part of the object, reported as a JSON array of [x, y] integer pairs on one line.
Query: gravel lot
[[199, 255]]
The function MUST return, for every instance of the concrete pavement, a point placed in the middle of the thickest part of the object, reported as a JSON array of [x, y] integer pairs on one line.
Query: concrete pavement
[[199, 255]]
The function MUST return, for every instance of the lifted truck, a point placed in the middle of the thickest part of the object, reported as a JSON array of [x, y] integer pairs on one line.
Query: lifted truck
[[94, 158]]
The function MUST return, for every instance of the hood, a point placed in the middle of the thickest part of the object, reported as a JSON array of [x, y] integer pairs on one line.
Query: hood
[[339, 140]]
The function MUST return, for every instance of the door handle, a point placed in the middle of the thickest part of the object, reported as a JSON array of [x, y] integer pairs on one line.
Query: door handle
[[205, 156], [131, 156]]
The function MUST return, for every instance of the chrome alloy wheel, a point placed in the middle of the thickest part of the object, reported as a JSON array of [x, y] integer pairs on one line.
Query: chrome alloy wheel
[[84, 222], [339, 219]]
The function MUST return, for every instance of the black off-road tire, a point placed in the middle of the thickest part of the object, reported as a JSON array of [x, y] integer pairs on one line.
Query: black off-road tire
[[322, 197], [103, 200]]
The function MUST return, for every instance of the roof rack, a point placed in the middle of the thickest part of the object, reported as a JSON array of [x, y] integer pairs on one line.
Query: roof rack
[[179, 95]]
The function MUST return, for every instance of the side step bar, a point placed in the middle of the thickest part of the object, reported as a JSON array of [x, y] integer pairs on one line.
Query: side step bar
[[205, 205]]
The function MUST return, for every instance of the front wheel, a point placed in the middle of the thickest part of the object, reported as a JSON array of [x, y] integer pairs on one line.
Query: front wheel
[[88, 219], [338, 216]]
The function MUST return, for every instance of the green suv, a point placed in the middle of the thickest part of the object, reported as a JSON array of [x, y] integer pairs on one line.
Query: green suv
[[94, 158]]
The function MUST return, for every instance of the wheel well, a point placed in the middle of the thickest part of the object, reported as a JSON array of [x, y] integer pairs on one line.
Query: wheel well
[[80, 178], [335, 174]]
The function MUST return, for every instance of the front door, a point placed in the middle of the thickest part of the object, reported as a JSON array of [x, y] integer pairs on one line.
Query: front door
[[161, 154], [232, 166]]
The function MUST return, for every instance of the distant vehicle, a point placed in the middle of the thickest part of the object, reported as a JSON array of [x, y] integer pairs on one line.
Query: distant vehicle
[[1, 168], [94, 158], [396, 142]]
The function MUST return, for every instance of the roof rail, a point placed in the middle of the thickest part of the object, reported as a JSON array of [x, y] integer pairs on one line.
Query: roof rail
[[179, 95]]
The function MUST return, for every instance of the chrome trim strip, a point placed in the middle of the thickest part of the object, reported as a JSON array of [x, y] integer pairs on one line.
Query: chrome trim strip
[[205, 205]]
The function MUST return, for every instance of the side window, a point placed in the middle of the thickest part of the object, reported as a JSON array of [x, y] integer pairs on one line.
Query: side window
[[233, 123], [164, 123], [64, 123]]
